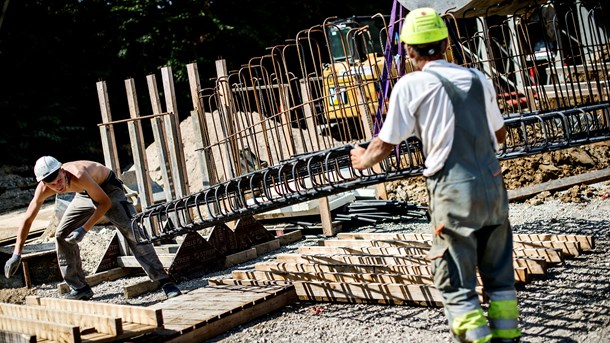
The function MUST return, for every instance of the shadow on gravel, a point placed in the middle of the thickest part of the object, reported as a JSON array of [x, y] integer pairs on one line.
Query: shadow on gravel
[[570, 301]]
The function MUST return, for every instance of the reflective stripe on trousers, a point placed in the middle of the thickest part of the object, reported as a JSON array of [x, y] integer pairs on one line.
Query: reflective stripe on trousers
[[503, 314]]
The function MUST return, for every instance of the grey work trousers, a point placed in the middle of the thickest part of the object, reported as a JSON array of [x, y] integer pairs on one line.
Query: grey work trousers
[[119, 214]]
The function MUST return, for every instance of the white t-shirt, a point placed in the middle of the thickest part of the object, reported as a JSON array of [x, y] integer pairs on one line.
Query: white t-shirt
[[419, 106]]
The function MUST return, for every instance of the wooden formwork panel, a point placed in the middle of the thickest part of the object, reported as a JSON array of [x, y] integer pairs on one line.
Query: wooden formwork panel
[[60, 320], [383, 267], [209, 311]]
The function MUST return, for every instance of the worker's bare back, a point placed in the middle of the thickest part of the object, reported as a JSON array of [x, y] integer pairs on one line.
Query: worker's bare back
[[76, 170]]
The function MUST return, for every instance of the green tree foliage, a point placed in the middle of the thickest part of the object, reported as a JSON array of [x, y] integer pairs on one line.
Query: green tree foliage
[[52, 53]]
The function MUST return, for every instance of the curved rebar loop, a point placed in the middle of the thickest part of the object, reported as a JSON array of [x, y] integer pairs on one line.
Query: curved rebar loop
[[211, 207], [139, 232], [198, 206]]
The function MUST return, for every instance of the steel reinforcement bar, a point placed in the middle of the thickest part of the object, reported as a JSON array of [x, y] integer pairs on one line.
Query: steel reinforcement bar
[[323, 173]]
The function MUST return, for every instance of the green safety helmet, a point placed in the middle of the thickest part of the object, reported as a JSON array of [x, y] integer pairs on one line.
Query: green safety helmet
[[423, 26]]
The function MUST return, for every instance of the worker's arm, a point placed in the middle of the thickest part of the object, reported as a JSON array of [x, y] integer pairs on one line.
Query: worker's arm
[[97, 194], [40, 194], [365, 158], [501, 135]]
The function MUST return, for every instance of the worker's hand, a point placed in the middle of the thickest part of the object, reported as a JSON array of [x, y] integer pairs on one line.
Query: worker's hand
[[357, 157], [76, 236], [11, 265]]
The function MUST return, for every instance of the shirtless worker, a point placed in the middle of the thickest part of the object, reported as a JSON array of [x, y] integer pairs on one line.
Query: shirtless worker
[[98, 192]]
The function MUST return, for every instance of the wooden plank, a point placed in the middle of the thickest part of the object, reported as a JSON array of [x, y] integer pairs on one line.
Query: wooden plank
[[521, 275], [383, 293], [423, 237], [534, 265], [174, 138], [342, 268], [240, 257], [160, 139], [290, 237], [559, 184], [586, 242], [365, 250], [267, 247], [109, 148], [97, 278], [550, 255], [373, 243], [133, 314], [132, 262], [41, 329], [204, 156], [15, 337], [134, 290], [332, 277], [379, 260], [569, 248], [103, 324], [138, 147]]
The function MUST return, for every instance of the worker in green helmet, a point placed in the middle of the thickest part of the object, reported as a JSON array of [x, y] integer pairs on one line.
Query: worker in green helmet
[[453, 111]]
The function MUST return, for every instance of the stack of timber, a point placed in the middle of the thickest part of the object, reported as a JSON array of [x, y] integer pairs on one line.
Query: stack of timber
[[390, 268], [60, 320]]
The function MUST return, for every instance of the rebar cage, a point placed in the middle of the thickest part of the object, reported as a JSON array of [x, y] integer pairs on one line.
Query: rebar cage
[[278, 130]]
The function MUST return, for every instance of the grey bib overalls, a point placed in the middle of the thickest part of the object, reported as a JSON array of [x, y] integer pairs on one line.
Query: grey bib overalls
[[469, 212]]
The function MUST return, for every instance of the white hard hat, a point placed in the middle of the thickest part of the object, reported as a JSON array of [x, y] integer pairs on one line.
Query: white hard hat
[[45, 166]]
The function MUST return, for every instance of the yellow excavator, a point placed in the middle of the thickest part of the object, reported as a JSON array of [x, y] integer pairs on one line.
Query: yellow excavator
[[351, 79]]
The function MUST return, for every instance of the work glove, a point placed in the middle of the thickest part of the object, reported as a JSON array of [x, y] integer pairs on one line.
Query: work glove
[[76, 236], [11, 265]]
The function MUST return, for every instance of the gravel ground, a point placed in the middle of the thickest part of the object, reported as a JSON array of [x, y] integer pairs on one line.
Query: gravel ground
[[571, 303]]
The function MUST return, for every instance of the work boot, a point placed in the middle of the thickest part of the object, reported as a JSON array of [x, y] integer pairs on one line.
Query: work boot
[[170, 289], [84, 293]]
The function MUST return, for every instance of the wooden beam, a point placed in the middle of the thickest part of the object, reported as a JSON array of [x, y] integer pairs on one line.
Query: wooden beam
[[290, 237], [586, 242], [559, 184], [134, 290], [104, 324], [267, 247], [351, 292], [550, 255], [174, 138], [15, 337], [423, 237], [332, 277], [41, 329], [342, 268], [132, 314], [569, 248], [240, 257], [109, 148], [534, 265], [378, 260], [131, 262], [96, 279], [364, 250], [138, 147], [374, 243], [160, 137]]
